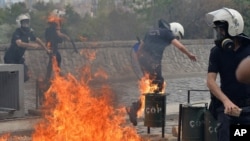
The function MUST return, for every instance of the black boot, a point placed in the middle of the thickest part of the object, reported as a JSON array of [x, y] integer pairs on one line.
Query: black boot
[[132, 112]]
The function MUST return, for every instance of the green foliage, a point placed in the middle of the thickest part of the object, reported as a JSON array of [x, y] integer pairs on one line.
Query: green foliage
[[6, 32], [72, 22], [15, 10], [243, 6], [41, 6], [2, 16], [151, 10]]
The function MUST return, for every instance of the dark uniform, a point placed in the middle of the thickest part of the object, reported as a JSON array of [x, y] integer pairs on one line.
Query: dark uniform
[[150, 55], [52, 40], [14, 54], [225, 63]]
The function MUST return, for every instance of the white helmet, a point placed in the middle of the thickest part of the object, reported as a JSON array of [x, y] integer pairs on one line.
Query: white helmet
[[231, 16], [57, 13], [177, 29], [22, 17]]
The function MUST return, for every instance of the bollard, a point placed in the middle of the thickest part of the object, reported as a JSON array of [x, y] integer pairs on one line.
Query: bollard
[[155, 111]]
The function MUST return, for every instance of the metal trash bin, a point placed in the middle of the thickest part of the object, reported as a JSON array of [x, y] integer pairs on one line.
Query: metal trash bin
[[155, 111], [192, 122], [210, 127]]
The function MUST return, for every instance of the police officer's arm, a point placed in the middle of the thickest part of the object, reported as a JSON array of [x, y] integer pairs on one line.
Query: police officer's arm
[[216, 91], [62, 35], [243, 71], [183, 49], [42, 44], [20, 43]]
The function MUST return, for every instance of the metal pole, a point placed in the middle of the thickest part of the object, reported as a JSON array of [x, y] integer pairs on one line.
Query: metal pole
[[162, 132], [179, 127]]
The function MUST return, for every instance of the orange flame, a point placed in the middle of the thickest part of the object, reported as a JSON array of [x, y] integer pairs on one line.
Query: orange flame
[[75, 112], [146, 86], [54, 19], [90, 55], [4, 137]]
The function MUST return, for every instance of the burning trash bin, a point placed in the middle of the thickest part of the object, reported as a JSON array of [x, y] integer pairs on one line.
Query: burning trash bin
[[155, 111]]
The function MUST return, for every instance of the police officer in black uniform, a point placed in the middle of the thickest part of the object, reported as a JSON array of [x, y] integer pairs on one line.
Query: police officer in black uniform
[[22, 39], [231, 47], [150, 56]]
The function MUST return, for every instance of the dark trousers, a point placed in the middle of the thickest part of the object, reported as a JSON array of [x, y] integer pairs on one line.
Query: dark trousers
[[153, 69], [225, 121], [49, 67]]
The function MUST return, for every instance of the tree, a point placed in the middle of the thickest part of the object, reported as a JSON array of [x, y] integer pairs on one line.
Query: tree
[[243, 7], [14, 11]]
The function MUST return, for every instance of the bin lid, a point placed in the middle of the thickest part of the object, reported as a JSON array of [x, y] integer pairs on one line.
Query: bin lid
[[156, 94]]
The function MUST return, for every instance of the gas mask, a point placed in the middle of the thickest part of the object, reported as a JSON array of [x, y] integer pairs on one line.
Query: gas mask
[[25, 25], [223, 39]]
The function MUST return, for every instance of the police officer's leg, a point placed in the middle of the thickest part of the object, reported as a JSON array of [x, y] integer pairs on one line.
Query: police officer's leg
[[136, 106], [49, 69], [159, 80], [25, 69], [58, 59]]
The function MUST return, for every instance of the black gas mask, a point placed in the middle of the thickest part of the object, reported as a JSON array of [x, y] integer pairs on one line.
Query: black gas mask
[[25, 25], [223, 39]]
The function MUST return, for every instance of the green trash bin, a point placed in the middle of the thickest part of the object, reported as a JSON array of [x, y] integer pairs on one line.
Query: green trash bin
[[155, 111], [210, 127], [192, 122]]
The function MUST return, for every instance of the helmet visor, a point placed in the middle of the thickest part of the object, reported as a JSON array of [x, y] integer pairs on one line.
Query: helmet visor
[[213, 16], [25, 23]]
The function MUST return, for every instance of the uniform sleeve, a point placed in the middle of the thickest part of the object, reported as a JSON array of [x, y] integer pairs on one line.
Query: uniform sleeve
[[167, 35], [16, 35], [213, 63]]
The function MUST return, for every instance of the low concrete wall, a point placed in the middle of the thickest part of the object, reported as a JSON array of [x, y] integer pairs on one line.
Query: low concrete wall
[[114, 57]]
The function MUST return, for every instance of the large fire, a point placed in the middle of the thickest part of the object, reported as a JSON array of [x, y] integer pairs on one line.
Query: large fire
[[73, 111]]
